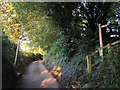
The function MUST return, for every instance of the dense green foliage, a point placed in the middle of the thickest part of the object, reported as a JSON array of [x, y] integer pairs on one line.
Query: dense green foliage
[[75, 21], [108, 72], [10, 79], [68, 32], [70, 52]]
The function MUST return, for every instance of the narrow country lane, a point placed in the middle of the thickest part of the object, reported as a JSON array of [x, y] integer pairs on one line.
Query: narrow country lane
[[37, 76]]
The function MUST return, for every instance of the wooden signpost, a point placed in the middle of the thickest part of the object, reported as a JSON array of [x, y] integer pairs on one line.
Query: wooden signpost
[[88, 57], [18, 46], [100, 38], [100, 41], [17, 50]]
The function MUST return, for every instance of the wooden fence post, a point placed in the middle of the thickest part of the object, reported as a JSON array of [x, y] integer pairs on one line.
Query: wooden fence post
[[89, 64]]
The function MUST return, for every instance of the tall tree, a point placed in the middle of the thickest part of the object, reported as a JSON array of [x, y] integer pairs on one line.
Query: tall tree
[[81, 19]]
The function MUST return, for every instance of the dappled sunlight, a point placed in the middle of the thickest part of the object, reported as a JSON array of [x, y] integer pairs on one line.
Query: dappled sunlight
[[64, 45], [38, 50], [44, 72], [39, 76], [58, 68], [47, 81], [57, 71], [59, 75], [24, 47]]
